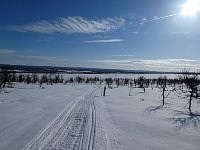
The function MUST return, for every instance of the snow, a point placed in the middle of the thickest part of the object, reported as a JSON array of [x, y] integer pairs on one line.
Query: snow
[[79, 117], [130, 124], [26, 110], [118, 75]]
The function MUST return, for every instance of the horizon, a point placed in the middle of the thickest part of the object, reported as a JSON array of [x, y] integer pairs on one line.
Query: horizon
[[92, 70], [127, 35]]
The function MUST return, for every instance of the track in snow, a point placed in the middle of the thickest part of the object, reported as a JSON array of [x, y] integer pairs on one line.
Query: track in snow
[[73, 129]]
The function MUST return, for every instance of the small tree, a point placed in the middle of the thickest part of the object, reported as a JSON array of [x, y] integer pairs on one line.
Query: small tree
[[56, 79], [50, 79], [1, 81], [79, 79], [21, 78], [162, 83], [117, 82], [61, 79], [44, 79], [126, 81], [28, 79], [4, 77], [191, 83], [141, 82], [34, 78], [71, 80], [13, 77], [109, 82]]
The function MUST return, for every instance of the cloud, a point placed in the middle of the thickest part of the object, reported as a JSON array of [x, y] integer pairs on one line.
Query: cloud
[[4, 52], [155, 17], [25, 51], [155, 64], [70, 25], [46, 39], [32, 60], [43, 40], [36, 57], [135, 32], [176, 33], [105, 41], [123, 55], [25, 58], [144, 20], [8, 52]]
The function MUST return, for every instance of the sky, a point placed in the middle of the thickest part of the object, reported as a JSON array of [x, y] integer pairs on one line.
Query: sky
[[158, 35]]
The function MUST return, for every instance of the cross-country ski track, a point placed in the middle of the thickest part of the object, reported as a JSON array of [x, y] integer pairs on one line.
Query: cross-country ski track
[[74, 128]]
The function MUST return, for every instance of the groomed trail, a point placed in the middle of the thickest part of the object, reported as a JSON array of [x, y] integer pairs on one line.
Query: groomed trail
[[74, 128]]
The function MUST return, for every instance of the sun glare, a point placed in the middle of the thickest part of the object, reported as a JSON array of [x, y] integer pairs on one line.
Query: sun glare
[[191, 7]]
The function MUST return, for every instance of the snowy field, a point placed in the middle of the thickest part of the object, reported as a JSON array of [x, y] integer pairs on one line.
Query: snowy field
[[26, 110], [75, 117], [139, 122], [118, 75]]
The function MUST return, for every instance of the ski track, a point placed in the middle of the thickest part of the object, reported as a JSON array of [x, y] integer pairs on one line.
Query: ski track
[[73, 129], [92, 127]]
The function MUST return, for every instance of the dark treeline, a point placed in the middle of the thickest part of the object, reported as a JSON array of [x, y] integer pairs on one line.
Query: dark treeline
[[8, 78]]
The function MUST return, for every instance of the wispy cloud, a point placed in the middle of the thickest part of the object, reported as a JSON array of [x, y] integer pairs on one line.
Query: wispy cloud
[[32, 60], [36, 57], [105, 41], [145, 20], [4, 52], [135, 32], [7, 52], [25, 58], [156, 64], [43, 40], [70, 25], [176, 33], [123, 55], [46, 39]]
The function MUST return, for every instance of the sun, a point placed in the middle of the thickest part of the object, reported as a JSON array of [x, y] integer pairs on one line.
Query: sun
[[190, 8]]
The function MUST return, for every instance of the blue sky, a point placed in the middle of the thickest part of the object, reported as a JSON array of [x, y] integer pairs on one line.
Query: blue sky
[[122, 34]]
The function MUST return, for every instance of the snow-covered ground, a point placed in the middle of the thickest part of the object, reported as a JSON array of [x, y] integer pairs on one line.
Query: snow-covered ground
[[139, 122], [118, 75], [79, 117], [26, 110]]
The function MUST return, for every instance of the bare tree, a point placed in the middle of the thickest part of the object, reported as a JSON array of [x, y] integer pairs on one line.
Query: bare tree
[[109, 82], [191, 83], [4, 77], [117, 82], [28, 79], [1, 81], [162, 84], [34, 78], [141, 81]]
